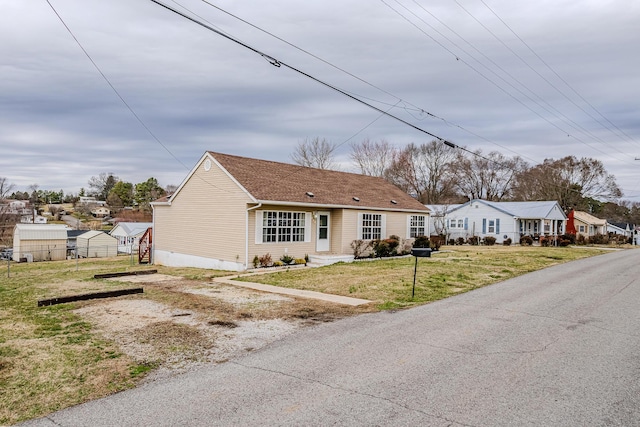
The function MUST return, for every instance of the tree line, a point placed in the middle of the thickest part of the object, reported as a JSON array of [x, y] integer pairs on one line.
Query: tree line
[[105, 186], [435, 173]]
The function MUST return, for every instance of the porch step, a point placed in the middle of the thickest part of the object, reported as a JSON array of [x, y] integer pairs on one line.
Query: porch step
[[322, 260]]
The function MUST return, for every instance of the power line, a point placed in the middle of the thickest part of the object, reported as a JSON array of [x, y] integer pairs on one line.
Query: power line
[[459, 58], [138, 118], [563, 81]]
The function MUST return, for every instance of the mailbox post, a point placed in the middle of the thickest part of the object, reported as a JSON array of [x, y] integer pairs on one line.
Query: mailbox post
[[418, 253]]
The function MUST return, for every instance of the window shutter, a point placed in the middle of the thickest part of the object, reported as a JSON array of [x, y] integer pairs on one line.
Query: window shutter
[[258, 227], [307, 227], [359, 226], [466, 223], [408, 226], [383, 223], [484, 225], [497, 225]]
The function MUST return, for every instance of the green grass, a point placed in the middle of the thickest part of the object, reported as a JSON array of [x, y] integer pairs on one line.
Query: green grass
[[49, 357], [453, 270]]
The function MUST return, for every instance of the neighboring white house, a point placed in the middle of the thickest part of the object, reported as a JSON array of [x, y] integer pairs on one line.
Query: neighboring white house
[[101, 211], [438, 218], [129, 234], [619, 228], [504, 220], [96, 244], [39, 242]]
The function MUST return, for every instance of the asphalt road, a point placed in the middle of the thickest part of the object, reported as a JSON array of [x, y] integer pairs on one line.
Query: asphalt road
[[558, 347]]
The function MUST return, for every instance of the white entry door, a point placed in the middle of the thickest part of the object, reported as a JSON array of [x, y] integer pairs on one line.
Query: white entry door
[[323, 235]]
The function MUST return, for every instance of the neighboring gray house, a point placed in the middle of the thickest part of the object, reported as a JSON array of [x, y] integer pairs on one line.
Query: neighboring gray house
[[129, 234], [505, 220], [96, 244]]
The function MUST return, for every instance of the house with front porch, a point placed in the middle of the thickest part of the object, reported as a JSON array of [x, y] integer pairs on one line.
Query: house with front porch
[[231, 209], [504, 220]]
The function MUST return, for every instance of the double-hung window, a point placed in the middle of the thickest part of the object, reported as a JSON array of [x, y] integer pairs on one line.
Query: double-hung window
[[371, 226], [417, 225], [279, 226]]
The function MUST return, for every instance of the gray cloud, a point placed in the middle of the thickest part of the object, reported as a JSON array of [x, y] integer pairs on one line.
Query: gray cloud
[[60, 123]]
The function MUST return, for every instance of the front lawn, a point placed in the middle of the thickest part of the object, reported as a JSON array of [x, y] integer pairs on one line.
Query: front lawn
[[453, 270]]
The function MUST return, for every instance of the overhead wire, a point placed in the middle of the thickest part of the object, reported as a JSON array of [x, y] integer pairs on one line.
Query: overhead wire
[[459, 58], [119, 95], [557, 113], [546, 64], [279, 63]]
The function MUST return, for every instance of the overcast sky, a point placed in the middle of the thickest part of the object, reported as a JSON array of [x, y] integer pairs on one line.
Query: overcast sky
[[542, 79]]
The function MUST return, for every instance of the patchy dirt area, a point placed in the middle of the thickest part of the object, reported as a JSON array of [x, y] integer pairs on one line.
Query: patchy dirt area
[[178, 324]]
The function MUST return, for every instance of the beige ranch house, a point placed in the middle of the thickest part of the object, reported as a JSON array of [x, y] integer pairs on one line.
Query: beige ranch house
[[230, 209]]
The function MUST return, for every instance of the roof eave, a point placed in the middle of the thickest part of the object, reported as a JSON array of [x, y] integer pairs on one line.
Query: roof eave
[[336, 206]]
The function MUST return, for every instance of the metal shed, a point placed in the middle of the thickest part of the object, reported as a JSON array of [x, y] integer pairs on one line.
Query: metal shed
[[39, 242], [96, 244]]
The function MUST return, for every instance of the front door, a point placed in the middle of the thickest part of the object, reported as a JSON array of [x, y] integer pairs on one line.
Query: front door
[[323, 242]]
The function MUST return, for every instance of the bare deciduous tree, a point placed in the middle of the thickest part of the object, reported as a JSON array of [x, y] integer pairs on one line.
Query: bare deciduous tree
[[315, 153], [102, 185], [489, 177], [570, 181], [5, 188], [424, 171], [373, 158]]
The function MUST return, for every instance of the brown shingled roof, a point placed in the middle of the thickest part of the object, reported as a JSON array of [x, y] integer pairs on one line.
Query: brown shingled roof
[[283, 182]]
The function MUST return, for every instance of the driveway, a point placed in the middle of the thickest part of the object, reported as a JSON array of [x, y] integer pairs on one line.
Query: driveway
[[556, 347]]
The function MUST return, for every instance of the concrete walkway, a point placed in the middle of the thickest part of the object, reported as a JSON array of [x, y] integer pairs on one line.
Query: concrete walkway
[[288, 291]]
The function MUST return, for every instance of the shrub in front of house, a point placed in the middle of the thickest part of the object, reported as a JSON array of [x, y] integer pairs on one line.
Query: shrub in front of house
[[526, 240], [265, 260], [405, 247], [380, 248], [489, 240], [361, 248], [278, 263], [460, 241], [256, 261], [436, 242], [300, 261], [581, 240], [571, 238], [507, 242], [287, 259], [451, 242], [474, 240], [421, 242], [599, 239]]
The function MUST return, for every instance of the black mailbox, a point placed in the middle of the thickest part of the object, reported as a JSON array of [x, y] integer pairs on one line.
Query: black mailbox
[[421, 252]]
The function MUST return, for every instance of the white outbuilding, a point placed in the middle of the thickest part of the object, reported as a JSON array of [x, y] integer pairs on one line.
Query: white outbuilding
[[96, 244], [39, 242]]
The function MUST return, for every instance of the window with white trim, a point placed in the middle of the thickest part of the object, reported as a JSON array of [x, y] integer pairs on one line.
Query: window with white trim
[[278, 226], [417, 225], [371, 226], [456, 223], [492, 226]]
